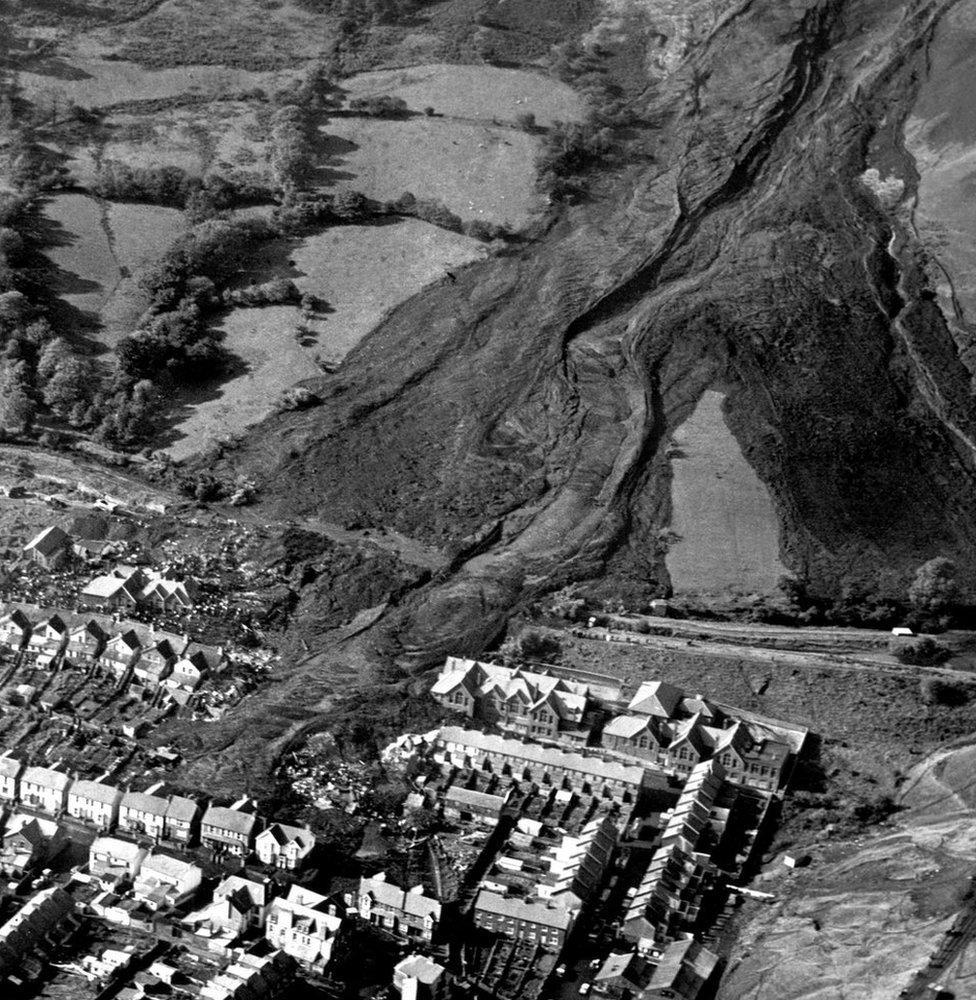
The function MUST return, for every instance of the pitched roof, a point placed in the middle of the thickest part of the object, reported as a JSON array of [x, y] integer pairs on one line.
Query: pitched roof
[[97, 792], [477, 800], [105, 586], [123, 849], [169, 867], [520, 909], [546, 756], [10, 767], [387, 894], [421, 968], [224, 818], [626, 726], [656, 698], [283, 834], [46, 777], [49, 541], [181, 808], [145, 803]]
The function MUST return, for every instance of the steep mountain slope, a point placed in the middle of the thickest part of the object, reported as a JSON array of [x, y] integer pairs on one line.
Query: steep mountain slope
[[521, 415]]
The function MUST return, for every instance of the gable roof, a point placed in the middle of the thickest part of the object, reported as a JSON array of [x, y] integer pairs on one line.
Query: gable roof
[[49, 541], [283, 834], [626, 726], [520, 909], [46, 777], [97, 792], [106, 586], [143, 802], [181, 808], [233, 820]]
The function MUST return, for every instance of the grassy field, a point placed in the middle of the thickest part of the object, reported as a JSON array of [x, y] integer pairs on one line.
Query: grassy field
[[483, 92], [140, 233], [264, 342], [364, 271], [728, 532], [91, 81], [478, 171], [87, 271]]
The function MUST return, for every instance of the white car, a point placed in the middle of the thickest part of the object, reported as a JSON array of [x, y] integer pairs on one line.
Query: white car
[[584, 989]]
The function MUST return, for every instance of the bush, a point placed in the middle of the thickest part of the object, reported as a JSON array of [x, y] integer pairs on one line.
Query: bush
[[277, 292], [298, 398], [380, 106], [924, 653], [936, 691], [534, 646]]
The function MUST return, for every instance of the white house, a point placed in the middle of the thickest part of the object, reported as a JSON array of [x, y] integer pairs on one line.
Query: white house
[[111, 856], [301, 925], [94, 803], [10, 769], [284, 846], [44, 789], [170, 879], [141, 812]]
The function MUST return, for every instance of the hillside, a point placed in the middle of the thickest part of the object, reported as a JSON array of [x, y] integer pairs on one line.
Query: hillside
[[744, 246]]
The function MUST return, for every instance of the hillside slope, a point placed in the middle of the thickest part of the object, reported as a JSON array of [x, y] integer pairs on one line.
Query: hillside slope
[[520, 416]]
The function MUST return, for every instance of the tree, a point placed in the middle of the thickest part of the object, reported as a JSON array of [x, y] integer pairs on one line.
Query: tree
[[526, 121], [934, 588], [17, 406], [935, 691], [68, 385], [53, 354], [924, 653], [535, 646]]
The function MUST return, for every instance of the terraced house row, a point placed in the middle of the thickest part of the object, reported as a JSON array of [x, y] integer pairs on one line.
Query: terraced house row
[[235, 830], [660, 726]]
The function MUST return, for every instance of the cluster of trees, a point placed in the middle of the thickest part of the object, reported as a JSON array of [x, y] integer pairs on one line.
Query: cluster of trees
[[169, 185], [361, 12], [292, 147], [185, 287], [569, 151]]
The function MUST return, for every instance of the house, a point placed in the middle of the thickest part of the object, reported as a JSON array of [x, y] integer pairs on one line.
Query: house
[[143, 813], [546, 766], [622, 976], [683, 972], [51, 548], [10, 771], [85, 642], [284, 846], [115, 858], [657, 698], [39, 928], [251, 976], [186, 674], [166, 880], [531, 704], [420, 978], [636, 735], [228, 830], [408, 914], [94, 803], [121, 651], [167, 596], [47, 640], [182, 822], [466, 805], [301, 925], [29, 843], [156, 661], [536, 921], [45, 788], [15, 629], [109, 593], [110, 962], [239, 904]]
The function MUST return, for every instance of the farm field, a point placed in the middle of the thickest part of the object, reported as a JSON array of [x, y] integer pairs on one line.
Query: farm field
[[140, 234], [479, 172], [91, 81], [264, 341], [87, 271], [483, 92], [363, 272], [727, 530]]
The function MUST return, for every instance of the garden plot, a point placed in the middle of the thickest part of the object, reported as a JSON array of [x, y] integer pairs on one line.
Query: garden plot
[[479, 172], [727, 530], [362, 272], [483, 92]]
